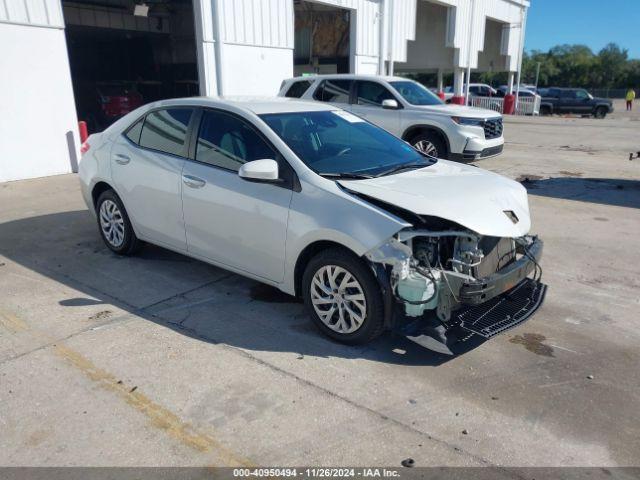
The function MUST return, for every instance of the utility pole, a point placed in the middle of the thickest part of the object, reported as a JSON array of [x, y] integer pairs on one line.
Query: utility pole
[[390, 12], [537, 75], [469, 43], [383, 36], [523, 20]]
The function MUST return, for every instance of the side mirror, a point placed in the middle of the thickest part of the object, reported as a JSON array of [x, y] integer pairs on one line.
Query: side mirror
[[260, 171], [390, 104]]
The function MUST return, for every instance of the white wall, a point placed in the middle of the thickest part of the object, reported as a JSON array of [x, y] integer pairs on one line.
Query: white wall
[[257, 40], [38, 127], [429, 51], [32, 12], [250, 70]]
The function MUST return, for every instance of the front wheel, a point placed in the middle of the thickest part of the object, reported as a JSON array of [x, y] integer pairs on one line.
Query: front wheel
[[342, 297], [601, 112], [430, 144]]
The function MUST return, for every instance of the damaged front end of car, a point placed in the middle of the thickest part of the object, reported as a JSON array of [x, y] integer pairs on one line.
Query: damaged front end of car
[[443, 280]]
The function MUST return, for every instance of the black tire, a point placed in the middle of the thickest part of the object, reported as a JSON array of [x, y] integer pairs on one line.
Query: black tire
[[600, 112], [545, 110], [130, 243], [434, 139], [373, 324]]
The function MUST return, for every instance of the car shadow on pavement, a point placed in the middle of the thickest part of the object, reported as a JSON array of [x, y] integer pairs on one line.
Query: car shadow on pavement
[[606, 191], [186, 295]]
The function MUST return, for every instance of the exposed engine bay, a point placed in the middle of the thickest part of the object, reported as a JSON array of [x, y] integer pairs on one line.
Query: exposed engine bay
[[441, 268]]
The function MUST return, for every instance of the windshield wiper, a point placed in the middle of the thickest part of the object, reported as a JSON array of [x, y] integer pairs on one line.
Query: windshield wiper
[[345, 175], [406, 166]]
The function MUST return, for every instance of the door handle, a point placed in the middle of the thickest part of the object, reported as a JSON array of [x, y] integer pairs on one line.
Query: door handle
[[122, 159], [193, 182]]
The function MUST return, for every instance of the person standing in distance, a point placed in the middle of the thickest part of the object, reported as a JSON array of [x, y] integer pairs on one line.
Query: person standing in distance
[[631, 95]]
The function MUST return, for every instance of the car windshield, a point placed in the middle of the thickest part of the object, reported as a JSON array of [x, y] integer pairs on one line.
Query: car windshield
[[415, 94], [338, 143]]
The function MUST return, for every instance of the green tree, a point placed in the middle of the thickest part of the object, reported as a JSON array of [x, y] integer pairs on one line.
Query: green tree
[[613, 62]]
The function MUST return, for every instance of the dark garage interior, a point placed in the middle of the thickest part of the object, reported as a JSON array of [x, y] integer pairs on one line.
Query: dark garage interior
[[124, 54]]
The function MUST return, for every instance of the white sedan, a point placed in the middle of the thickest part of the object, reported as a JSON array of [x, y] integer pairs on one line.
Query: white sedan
[[319, 203]]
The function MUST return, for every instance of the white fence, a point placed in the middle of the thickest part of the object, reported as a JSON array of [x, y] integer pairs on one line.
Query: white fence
[[490, 103], [526, 105]]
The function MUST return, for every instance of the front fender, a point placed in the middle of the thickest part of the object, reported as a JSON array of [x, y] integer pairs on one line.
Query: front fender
[[333, 215]]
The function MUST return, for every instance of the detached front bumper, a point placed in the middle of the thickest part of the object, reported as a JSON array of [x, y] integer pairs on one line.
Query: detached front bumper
[[505, 311], [486, 308], [504, 300]]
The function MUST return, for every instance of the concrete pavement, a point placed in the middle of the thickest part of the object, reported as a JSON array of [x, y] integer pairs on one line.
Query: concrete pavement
[[163, 360]]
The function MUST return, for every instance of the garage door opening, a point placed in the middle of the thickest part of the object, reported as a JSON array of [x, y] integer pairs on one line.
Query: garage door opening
[[322, 38], [125, 53]]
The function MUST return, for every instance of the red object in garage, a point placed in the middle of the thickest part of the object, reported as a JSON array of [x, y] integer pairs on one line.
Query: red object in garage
[[117, 99], [119, 105], [441, 95], [84, 132], [458, 100], [509, 104]]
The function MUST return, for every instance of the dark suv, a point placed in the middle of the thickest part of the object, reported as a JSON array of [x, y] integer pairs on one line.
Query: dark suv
[[573, 100]]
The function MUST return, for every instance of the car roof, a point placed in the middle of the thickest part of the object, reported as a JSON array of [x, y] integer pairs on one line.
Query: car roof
[[350, 76], [257, 105]]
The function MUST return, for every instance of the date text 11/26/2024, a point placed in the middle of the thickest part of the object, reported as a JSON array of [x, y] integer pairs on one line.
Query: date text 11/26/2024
[[317, 472]]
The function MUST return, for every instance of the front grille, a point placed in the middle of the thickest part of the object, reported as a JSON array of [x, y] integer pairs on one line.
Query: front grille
[[493, 128], [504, 311]]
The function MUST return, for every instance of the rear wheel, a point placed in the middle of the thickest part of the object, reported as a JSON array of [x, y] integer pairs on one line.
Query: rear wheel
[[114, 224], [545, 110], [600, 112], [430, 143], [342, 297]]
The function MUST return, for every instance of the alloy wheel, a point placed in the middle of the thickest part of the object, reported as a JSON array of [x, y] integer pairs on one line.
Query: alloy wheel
[[426, 147], [112, 223], [338, 299]]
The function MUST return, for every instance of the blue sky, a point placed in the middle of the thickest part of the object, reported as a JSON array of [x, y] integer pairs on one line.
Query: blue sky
[[591, 22]]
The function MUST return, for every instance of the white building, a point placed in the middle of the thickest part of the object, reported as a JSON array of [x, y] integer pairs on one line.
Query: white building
[[60, 59]]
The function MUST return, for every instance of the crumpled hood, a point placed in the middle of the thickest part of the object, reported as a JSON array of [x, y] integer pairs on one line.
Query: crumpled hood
[[469, 196]]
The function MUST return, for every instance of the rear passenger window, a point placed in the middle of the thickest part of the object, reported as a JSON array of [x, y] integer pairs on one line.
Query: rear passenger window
[[133, 133], [333, 91], [227, 142], [166, 130], [297, 89]]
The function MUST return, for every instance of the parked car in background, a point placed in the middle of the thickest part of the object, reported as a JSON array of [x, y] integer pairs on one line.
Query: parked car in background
[[408, 110], [574, 100], [531, 98], [116, 100], [376, 232], [523, 92], [481, 90], [475, 89], [101, 104]]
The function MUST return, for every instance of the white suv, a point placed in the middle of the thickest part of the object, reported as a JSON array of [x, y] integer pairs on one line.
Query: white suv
[[409, 111]]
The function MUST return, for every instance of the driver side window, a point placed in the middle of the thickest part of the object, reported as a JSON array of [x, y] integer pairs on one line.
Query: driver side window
[[372, 94], [227, 142]]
